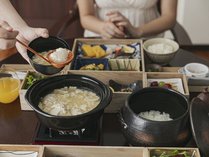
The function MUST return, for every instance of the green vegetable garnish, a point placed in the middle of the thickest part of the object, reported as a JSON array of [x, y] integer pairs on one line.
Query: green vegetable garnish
[[31, 79], [175, 153]]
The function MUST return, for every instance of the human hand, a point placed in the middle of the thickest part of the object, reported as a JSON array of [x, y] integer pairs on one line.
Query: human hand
[[28, 34], [7, 36], [110, 30], [121, 21]]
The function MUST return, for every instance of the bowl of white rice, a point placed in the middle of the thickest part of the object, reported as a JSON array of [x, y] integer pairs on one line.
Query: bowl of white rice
[[43, 46], [160, 50], [155, 116]]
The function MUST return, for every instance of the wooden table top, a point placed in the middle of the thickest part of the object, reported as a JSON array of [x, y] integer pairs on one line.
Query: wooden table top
[[18, 127]]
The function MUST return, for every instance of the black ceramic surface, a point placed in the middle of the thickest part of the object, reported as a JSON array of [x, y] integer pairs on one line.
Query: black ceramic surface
[[46, 86], [199, 117], [141, 131], [45, 44]]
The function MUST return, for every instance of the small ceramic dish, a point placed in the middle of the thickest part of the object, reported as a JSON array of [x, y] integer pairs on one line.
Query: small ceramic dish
[[175, 83], [117, 87], [195, 80], [197, 70]]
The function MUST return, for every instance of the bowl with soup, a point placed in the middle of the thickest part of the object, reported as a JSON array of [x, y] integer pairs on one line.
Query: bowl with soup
[[70, 101], [44, 46]]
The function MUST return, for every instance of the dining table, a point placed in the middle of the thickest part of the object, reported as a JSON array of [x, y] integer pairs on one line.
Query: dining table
[[19, 127]]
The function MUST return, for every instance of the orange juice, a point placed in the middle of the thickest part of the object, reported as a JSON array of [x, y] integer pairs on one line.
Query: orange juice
[[9, 89]]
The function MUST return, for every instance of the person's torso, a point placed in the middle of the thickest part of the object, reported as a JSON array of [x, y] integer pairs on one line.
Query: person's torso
[[138, 12]]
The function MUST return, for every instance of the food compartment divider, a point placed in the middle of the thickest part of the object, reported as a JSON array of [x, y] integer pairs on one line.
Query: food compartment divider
[[103, 42]]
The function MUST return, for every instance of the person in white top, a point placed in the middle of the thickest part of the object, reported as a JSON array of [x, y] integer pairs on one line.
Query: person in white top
[[12, 26], [122, 18]]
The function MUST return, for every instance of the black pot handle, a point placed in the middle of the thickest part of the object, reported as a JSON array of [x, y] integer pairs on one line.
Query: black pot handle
[[123, 124]]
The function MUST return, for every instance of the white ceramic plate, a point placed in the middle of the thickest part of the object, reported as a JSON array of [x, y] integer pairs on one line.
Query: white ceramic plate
[[175, 82]]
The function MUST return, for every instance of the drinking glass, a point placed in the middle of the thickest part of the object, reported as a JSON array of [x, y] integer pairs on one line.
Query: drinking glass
[[9, 85]]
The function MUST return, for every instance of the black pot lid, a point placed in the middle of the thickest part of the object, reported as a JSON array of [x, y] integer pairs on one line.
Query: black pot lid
[[199, 117]]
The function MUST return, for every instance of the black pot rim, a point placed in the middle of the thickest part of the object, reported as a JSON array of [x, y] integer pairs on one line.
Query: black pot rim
[[50, 37], [98, 108], [155, 89]]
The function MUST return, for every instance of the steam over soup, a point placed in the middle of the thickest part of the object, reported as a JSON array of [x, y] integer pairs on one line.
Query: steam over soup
[[69, 101]]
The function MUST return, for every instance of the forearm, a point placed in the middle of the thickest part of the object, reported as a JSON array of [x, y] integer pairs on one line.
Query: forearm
[[156, 26], [9, 14], [92, 23]]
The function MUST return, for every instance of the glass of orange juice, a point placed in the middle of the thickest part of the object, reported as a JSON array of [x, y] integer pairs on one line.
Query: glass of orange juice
[[9, 85]]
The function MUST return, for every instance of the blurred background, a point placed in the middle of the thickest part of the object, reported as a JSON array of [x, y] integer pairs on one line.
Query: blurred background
[[192, 15], [46, 13]]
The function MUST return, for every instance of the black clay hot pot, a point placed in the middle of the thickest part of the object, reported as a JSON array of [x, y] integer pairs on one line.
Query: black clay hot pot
[[140, 131], [46, 86]]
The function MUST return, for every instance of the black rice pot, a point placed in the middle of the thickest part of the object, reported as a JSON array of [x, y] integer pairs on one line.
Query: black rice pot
[[143, 132], [46, 86]]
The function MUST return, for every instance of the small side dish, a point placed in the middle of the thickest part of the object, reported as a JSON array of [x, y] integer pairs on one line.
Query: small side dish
[[31, 78], [173, 153], [171, 83], [93, 51], [196, 70], [117, 87], [162, 84]]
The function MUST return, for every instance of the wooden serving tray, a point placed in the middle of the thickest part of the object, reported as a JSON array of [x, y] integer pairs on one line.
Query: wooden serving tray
[[167, 75], [110, 42], [94, 151], [123, 77], [31, 148], [18, 67]]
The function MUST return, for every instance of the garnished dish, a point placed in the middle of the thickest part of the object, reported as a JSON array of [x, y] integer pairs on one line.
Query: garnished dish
[[173, 153], [162, 84], [109, 51], [125, 57], [58, 55], [32, 78], [69, 101], [172, 83]]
